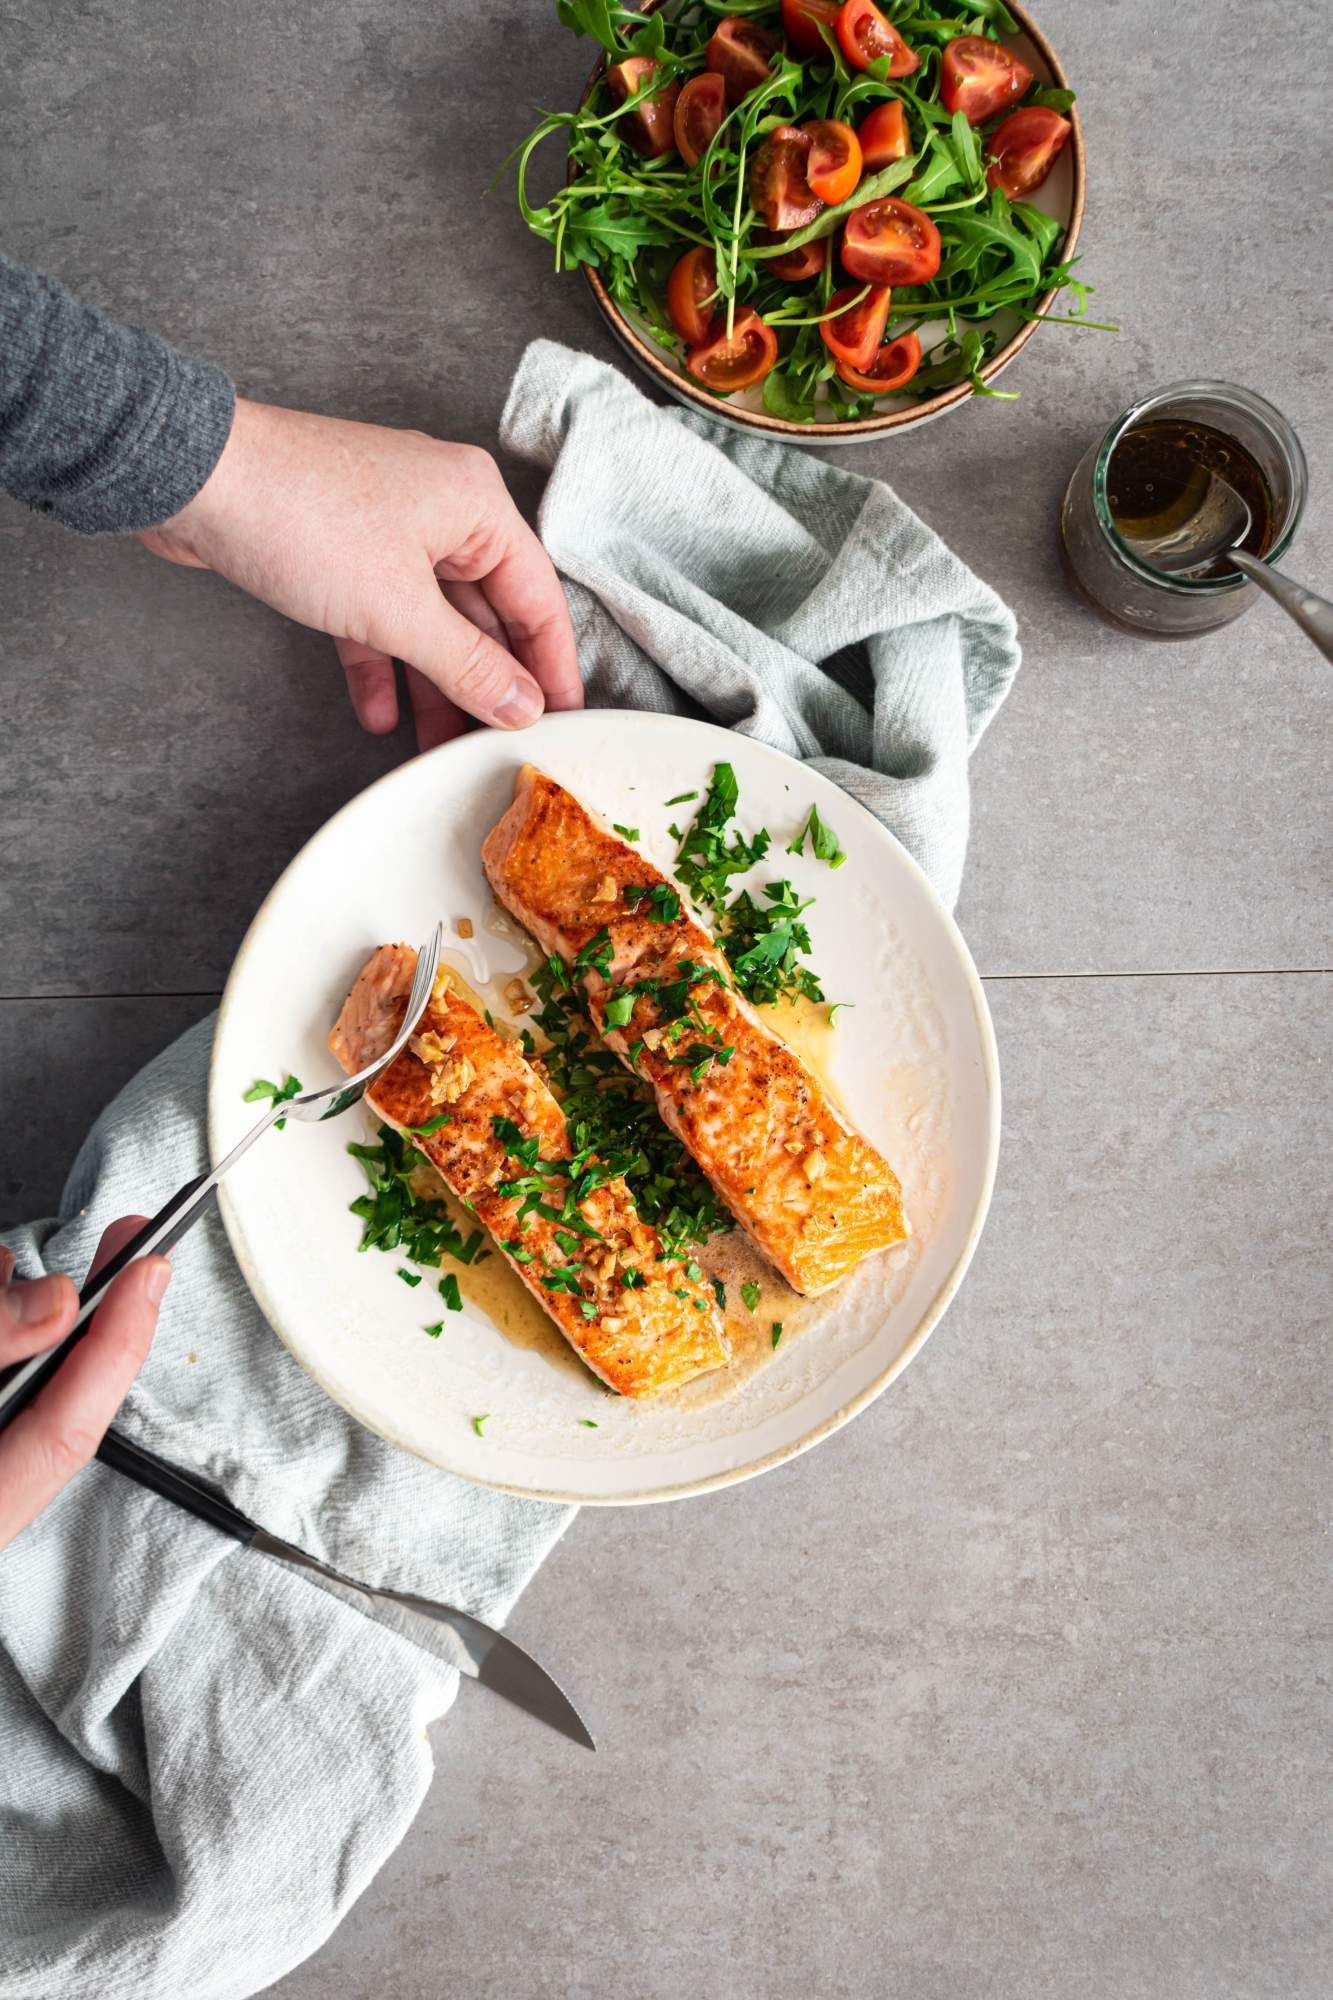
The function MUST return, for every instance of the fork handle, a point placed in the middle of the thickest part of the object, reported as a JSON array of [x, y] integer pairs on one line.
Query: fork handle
[[21, 1382]]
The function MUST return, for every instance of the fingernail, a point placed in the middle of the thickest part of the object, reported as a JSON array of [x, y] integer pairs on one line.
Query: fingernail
[[156, 1279], [521, 705], [34, 1302]]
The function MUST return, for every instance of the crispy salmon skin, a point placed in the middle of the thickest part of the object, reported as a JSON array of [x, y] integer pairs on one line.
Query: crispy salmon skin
[[812, 1192], [566, 1223]]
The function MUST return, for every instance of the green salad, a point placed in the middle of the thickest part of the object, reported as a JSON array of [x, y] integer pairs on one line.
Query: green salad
[[786, 192]]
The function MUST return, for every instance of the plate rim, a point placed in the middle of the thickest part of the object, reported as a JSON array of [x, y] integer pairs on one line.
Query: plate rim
[[782, 1454]]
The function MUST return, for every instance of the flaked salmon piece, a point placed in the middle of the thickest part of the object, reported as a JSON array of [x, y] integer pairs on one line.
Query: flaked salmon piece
[[811, 1191], [625, 1306]]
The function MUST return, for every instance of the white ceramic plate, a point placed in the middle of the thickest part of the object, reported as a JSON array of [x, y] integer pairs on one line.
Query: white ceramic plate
[[913, 1060]]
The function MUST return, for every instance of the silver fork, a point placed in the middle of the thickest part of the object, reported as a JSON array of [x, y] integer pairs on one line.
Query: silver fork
[[22, 1382], [457, 1637]]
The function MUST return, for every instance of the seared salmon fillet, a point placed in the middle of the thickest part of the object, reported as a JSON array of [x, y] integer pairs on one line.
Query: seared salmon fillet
[[814, 1194], [569, 1228]]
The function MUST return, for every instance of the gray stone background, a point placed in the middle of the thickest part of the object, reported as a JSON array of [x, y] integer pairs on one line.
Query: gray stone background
[[1014, 1687]]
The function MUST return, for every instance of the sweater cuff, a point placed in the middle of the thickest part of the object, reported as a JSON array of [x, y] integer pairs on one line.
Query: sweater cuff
[[103, 426]]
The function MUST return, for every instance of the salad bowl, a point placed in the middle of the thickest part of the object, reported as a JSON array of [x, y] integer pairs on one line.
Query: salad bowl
[[1060, 196]]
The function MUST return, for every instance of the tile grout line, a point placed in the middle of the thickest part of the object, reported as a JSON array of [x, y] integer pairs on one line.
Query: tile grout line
[[1181, 972], [987, 978]]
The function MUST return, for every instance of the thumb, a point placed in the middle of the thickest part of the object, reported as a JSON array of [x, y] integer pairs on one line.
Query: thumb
[[466, 664]]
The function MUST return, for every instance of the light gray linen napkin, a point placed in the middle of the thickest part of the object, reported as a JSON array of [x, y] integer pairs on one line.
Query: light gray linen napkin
[[204, 1758], [720, 575]]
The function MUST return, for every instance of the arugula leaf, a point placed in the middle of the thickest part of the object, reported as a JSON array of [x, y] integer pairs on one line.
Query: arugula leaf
[[783, 396], [1050, 98]]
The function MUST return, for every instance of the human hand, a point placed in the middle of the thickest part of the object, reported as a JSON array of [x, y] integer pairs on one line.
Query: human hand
[[401, 547], [57, 1434]]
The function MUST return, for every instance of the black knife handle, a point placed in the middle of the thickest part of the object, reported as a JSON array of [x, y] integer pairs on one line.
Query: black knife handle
[[20, 1382], [186, 1489]]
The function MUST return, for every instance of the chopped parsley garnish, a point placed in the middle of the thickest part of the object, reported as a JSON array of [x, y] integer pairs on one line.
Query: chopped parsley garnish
[[720, 1293], [777, 1331], [680, 798], [479, 1424], [436, 1330], [618, 1009], [657, 901], [516, 1250], [525, 1151], [450, 1293], [632, 1279], [277, 1093], [588, 1308], [613, 1126], [764, 941], [395, 1216], [750, 1294], [409, 1277], [431, 1125], [837, 1007], [589, 1424], [824, 841], [596, 953], [705, 863], [625, 832], [565, 1278]]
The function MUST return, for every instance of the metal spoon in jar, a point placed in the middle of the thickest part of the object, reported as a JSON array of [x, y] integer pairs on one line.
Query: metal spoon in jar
[[1208, 521]]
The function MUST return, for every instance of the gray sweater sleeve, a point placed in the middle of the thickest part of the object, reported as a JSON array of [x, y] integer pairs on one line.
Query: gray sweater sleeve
[[101, 425]]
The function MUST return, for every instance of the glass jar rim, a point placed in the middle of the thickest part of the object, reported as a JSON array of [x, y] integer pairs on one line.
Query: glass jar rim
[[1265, 414]]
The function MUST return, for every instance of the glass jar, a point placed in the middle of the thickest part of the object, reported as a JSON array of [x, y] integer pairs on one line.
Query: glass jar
[[1129, 592]]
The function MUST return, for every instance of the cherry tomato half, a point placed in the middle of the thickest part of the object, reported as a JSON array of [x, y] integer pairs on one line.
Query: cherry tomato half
[[779, 188], [700, 109], [1022, 150], [834, 166], [690, 294], [800, 19], [883, 135], [737, 361], [865, 34], [853, 335], [891, 368], [979, 77], [649, 127], [741, 53], [890, 243], [797, 265]]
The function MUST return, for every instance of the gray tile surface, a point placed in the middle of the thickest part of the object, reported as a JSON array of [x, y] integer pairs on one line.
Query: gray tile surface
[[1014, 1687], [1011, 1688], [61, 1062]]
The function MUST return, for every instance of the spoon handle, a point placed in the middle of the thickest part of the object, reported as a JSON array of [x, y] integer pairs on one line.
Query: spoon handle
[[1312, 613]]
